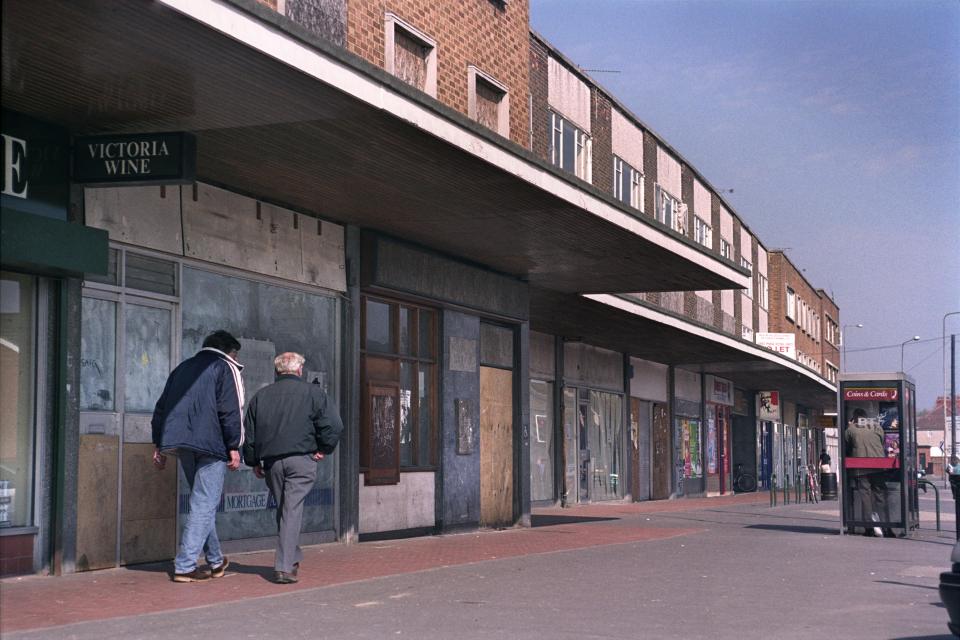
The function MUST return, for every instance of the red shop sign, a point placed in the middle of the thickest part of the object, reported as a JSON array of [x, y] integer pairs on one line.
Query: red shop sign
[[871, 394]]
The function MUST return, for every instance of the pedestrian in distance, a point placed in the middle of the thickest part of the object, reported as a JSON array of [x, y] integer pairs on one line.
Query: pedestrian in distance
[[291, 426], [199, 419]]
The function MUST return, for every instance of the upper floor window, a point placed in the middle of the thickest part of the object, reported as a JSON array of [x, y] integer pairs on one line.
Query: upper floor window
[[724, 248], [749, 267], [627, 184], [410, 54], [702, 232], [670, 211], [570, 148], [791, 304], [763, 289], [488, 101]]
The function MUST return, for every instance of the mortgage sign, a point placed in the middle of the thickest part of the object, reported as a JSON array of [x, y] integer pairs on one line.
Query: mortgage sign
[[137, 159]]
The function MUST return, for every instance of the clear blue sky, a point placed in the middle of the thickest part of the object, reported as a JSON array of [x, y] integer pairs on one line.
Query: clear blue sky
[[837, 125]]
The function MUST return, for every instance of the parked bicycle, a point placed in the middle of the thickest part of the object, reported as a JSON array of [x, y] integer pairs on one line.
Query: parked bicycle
[[743, 482], [812, 485]]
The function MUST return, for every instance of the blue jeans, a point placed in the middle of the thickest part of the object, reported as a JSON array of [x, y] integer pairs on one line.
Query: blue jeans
[[204, 476]]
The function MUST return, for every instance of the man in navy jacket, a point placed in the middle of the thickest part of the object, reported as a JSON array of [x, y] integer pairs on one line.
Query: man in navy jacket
[[199, 418]]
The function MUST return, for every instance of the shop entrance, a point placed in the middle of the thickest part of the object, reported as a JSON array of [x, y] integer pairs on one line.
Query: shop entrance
[[661, 453], [127, 511], [594, 456], [496, 447]]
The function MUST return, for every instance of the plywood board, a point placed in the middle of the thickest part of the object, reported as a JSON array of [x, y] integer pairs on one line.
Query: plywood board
[[148, 520], [143, 216], [661, 453], [496, 447], [97, 476]]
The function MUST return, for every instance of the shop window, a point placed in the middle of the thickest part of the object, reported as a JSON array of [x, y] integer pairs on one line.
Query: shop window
[[98, 355], [570, 148], [18, 294], [399, 408], [541, 440], [147, 342], [267, 319], [410, 55], [488, 101]]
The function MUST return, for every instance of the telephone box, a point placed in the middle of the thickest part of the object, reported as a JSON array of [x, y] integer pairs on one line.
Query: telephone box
[[878, 453]]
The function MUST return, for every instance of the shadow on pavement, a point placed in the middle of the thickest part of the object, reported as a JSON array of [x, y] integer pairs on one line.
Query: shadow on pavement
[[235, 567], [945, 636], [551, 520], [907, 584], [821, 531]]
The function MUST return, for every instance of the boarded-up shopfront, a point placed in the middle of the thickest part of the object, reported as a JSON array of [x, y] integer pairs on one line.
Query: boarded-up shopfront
[[184, 262]]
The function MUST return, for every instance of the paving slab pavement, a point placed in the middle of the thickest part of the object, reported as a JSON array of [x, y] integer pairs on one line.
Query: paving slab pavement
[[713, 568]]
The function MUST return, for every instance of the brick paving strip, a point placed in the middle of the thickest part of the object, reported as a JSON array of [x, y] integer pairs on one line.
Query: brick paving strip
[[37, 602]]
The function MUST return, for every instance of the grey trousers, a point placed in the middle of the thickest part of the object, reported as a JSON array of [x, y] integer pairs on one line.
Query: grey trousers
[[290, 480]]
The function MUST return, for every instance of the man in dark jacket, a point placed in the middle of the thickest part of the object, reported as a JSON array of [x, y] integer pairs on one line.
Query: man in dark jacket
[[199, 419], [864, 439], [290, 426]]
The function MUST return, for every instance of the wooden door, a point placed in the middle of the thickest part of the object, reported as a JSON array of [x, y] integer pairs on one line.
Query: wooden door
[[661, 453], [496, 447]]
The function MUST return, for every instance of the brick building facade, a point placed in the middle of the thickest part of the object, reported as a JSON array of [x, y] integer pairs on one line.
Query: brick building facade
[[492, 36]]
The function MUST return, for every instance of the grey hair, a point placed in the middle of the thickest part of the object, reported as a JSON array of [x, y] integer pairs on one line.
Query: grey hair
[[288, 362]]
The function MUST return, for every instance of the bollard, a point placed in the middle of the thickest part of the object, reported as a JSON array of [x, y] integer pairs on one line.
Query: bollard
[[773, 490], [955, 489], [786, 488], [937, 492]]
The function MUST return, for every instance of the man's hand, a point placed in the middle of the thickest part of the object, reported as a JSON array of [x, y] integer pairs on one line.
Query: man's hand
[[258, 471], [318, 456], [234, 463], [159, 460]]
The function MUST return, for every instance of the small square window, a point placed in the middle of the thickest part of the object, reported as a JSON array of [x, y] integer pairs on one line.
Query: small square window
[[488, 101], [410, 55]]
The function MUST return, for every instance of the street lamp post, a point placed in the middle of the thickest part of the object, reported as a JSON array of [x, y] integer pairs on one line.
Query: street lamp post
[[902, 345], [953, 419], [843, 343]]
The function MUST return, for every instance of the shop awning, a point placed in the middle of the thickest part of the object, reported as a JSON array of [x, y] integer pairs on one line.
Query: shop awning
[[644, 331], [51, 247], [287, 117]]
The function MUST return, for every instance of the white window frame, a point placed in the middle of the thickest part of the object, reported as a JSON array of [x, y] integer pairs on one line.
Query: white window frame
[[676, 217], [746, 264], [763, 286], [791, 306], [583, 153], [636, 183], [702, 232], [392, 22], [724, 248], [503, 107]]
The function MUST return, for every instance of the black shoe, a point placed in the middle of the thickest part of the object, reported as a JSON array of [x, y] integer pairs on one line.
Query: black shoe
[[888, 533], [296, 569], [194, 576], [220, 569], [282, 577]]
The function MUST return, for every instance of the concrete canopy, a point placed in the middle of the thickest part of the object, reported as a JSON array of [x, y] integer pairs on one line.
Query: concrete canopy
[[282, 115], [649, 333]]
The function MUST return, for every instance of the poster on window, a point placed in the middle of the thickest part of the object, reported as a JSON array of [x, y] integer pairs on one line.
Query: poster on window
[[711, 442], [696, 453], [768, 406], [685, 438]]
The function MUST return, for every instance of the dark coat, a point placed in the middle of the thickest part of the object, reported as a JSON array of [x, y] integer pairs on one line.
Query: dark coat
[[201, 406], [290, 417]]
